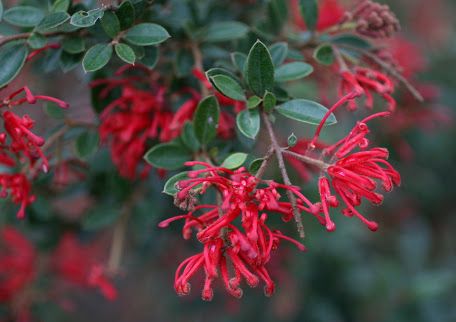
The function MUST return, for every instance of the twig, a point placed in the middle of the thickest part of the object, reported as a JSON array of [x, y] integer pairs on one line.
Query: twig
[[390, 69], [264, 164], [286, 180], [315, 162], [119, 233], [25, 35], [198, 57]]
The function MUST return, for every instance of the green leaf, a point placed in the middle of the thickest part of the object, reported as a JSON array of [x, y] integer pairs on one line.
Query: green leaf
[[73, 44], [110, 24], [239, 60], [259, 69], [97, 57], [170, 185], [253, 101], [53, 110], [205, 120], [60, 5], [278, 14], [309, 11], [324, 54], [146, 34], [125, 53], [351, 40], [269, 101], [248, 122], [12, 58], [305, 111], [255, 165], [224, 31], [150, 58], [85, 19], [292, 140], [126, 15], [1, 10], [220, 71], [23, 16], [228, 87], [234, 160], [169, 156], [278, 52], [87, 144], [52, 21], [189, 138], [36, 41], [292, 71]]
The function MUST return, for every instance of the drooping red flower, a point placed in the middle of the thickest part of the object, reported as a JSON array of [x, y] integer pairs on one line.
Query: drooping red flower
[[19, 146], [355, 175], [17, 263], [245, 250], [366, 81], [130, 121], [82, 265]]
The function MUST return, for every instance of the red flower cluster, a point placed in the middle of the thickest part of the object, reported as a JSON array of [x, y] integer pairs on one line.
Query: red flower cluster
[[17, 263], [243, 251], [138, 115], [80, 265], [354, 175], [367, 81], [19, 145]]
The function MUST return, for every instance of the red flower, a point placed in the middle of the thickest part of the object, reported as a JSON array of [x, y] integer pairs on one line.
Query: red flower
[[20, 144], [355, 175], [81, 265], [17, 263], [245, 251], [366, 81]]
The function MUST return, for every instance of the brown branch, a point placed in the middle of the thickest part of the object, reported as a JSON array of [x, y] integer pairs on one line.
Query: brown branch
[[25, 35], [119, 233], [390, 69], [264, 164], [286, 180], [198, 57], [311, 161]]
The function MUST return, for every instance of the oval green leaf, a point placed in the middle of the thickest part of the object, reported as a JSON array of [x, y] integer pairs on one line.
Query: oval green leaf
[[248, 122], [84, 19], [224, 31], [12, 58], [324, 54], [234, 160], [205, 121], [279, 52], [259, 69], [146, 34], [170, 185], [23, 16], [228, 87], [169, 156], [305, 111], [110, 24], [52, 21], [292, 71], [97, 57], [125, 53]]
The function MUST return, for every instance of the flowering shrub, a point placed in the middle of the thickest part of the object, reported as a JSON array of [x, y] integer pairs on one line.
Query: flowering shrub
[[198, 96]]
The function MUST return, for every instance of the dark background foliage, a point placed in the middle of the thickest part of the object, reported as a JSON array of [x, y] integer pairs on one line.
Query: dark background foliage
[[403, 272]]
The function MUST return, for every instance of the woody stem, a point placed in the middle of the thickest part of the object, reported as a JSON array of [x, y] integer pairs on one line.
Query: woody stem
[[286, 179]]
